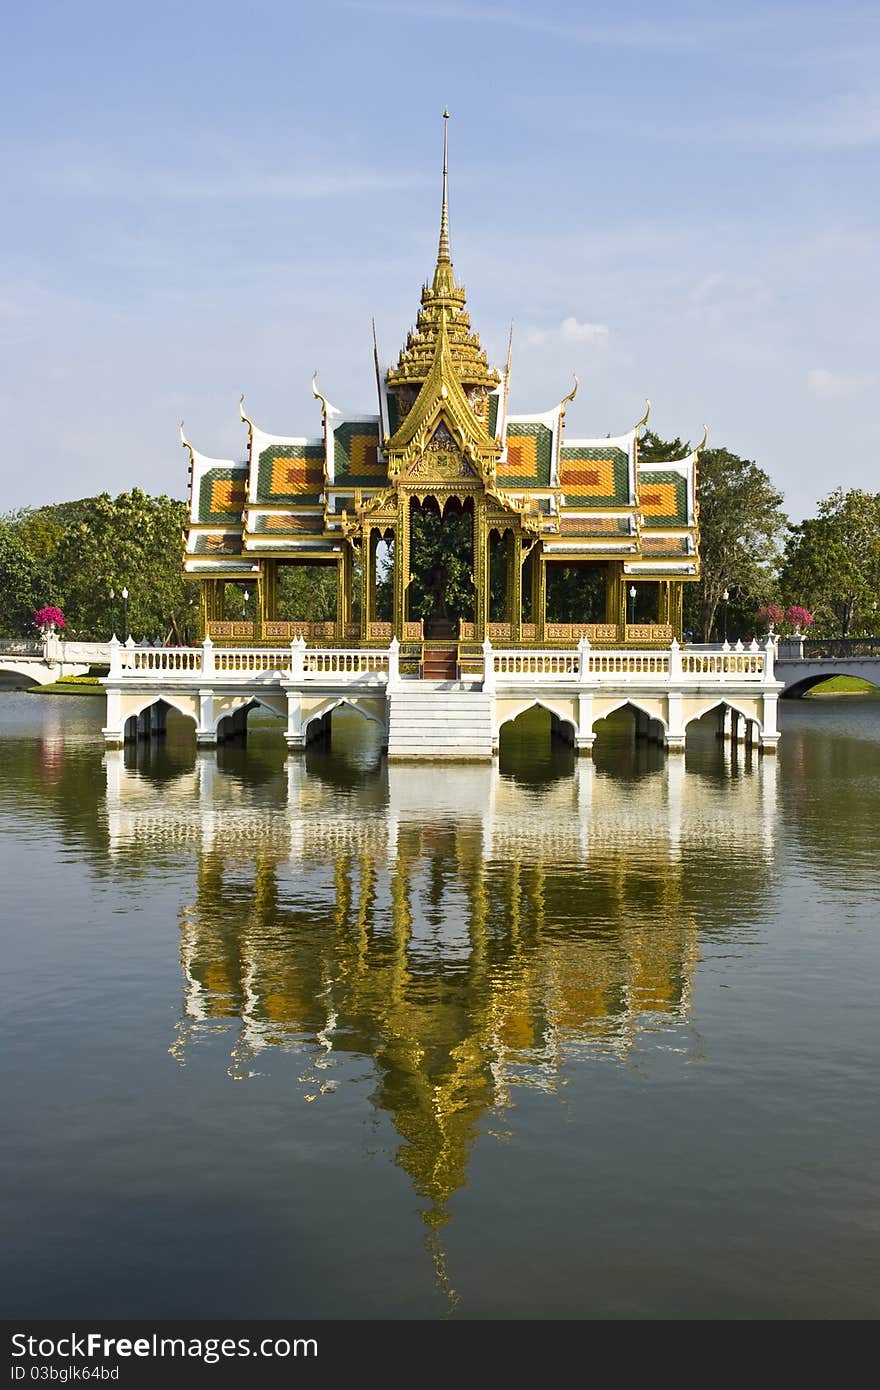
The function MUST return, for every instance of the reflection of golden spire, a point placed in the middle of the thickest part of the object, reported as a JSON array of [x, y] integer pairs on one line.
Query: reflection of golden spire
[[550, 960]]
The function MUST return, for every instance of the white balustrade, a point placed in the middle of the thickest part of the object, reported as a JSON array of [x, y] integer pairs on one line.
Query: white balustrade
[[163, 660], [335, 661], [672, 666], [583, 667], [229, 663], [533, 665]]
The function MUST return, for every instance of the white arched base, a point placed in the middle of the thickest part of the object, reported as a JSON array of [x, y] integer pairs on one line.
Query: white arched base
[[562, 725]]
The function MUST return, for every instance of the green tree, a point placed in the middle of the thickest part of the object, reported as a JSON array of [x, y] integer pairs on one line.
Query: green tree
[[133, 541], [19, 592], [832, 564], [442, 551], [742, 528], [575, 593], [306, 592]]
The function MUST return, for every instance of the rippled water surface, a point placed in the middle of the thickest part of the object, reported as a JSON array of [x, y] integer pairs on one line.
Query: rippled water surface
[[324, 1037]]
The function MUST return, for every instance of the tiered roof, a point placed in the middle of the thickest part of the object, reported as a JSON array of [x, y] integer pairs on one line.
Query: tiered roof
[[584, 498]]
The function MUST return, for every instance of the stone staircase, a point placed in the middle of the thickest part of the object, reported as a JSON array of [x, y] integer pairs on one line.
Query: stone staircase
[[440, 663], [439, 719]]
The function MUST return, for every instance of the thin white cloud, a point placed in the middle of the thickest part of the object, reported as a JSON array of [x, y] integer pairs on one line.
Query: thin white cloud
[[833, 386], [87, 174], [575, 332], [570, 330], [668, 33]]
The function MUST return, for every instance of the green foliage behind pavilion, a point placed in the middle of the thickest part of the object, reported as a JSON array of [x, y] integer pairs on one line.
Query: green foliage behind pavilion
[[80, 555]]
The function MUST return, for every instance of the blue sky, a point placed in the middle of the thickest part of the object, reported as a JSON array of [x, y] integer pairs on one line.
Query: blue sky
[[675, 201]]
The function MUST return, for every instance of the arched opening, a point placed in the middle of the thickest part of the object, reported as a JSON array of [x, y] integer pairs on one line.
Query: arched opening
[[629, 738], [155, 720], [157, 737], [536, 743], [380, 574], [356, 735], [504, 548], [252, 716], [305, 592], [644, 607], [441, 564], [576, 591], [722, 725]]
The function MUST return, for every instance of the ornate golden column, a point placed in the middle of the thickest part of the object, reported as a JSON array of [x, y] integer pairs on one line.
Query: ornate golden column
[[267, 597], [347, 583], [368, 581], [481, 570], [401, 564], [676, 609], [539, 591], [340, 595], [663, 602], [514, 588], [615, 598], [204, 607]]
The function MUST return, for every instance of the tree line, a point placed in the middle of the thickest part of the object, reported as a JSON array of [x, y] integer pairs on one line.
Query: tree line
[[80, 556]]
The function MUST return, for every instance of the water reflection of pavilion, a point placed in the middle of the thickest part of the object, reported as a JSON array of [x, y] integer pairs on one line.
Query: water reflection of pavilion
[[462, 931]]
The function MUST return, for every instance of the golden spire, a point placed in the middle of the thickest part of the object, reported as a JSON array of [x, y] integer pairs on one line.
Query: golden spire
[[443, 249], [442, 297], [444, 281]]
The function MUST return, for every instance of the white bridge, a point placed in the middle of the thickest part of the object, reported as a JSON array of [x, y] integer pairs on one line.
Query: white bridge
[[801, 665], [46, 659], [667, 689]]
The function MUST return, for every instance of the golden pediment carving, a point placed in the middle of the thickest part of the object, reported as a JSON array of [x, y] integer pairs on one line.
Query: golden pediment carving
[[440, 464]]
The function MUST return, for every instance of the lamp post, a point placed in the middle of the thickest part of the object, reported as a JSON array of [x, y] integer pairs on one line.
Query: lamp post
[[725, 598], [125, 615], [112, 612], [245, 596], [632, 604]]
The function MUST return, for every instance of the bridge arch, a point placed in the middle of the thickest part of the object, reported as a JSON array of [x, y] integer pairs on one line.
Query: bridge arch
[[161, 703], [627, 702], [326, 708], [511, 716], [243, 708], [798, 689], [724, 704], [29, 673]]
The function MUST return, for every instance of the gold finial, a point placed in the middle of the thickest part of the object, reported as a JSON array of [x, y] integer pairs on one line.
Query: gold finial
[[317, 394], [702, 444], [249, 423], [644, 420], [443, 250], [186, 444], [571, 395], [382, 435], [507, 366]]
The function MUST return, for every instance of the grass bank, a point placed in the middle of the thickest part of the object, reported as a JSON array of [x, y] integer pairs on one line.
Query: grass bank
[[844, 685], [70, 685]]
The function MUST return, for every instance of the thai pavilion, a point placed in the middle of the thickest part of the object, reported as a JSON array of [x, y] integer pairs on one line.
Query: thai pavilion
[[540, 507]]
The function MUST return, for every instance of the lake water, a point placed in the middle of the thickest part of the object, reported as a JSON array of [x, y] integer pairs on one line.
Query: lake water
[[556, 1038]]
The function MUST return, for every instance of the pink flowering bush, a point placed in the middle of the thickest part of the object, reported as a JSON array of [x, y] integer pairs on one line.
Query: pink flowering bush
[[785, 620], [49, 617], [771, 616], [799, 617]]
